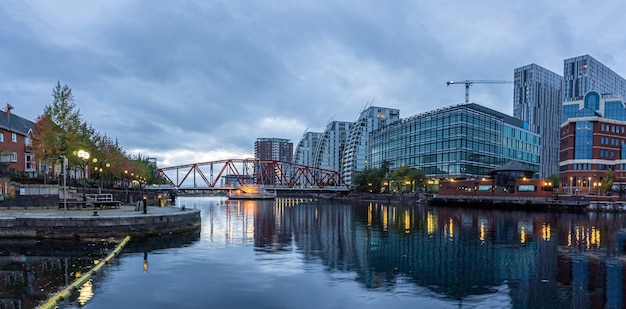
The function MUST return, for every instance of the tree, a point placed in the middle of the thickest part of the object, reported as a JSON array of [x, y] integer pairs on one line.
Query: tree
[[554, 178], [607, 182], [60, 130], [368, 181], [408, 177]]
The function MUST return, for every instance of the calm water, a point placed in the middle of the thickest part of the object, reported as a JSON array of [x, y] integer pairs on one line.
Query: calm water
[[298, 254]]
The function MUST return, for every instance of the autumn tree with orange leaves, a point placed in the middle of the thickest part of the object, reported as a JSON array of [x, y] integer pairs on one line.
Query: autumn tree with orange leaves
[[61, 131]]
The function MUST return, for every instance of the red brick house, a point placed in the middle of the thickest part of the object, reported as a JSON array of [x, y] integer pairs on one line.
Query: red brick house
[[15, 142]]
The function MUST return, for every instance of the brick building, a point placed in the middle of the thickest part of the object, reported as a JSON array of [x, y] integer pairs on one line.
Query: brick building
[[593, 140], [15, 142]]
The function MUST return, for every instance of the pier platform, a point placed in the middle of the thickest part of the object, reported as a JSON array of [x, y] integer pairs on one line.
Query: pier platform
[[87, 223]]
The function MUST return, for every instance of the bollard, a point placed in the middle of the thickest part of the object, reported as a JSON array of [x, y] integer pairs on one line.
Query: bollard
[[145, 204]]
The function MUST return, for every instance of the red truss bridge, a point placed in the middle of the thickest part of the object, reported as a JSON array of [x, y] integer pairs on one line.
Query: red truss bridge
[[236, 173]]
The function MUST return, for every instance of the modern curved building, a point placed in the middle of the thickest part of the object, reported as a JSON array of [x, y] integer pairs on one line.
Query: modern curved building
[[306, 148], [329, 149], [355, 157]]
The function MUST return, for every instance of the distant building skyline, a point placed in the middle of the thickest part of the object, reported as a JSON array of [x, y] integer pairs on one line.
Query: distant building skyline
[[538, 99]]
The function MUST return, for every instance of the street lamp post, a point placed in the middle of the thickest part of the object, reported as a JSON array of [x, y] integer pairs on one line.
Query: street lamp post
[[84, 156], [126, 184]]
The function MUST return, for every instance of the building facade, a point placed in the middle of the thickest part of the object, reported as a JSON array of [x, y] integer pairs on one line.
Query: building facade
[[278, 149], [305, 149], [16, 142], [330, 147], [537, 101], [593, 141], [355, 157], [460, 141], [584, 73]]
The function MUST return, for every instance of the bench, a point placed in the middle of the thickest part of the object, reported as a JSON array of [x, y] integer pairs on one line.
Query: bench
[[102, 200], [97, 201], [75, 204], [103, 204]]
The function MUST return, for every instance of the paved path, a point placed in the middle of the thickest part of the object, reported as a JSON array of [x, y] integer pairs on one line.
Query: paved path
[[123, 211]]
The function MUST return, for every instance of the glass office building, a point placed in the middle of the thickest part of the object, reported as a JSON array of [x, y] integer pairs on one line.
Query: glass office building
[[537, 101], [460, 141], [355, 157]]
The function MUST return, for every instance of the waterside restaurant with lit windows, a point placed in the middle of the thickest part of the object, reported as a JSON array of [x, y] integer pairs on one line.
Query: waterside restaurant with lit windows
[[510, 186]]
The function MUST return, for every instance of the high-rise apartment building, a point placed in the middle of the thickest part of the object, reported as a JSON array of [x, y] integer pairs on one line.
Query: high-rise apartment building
[[584, 73], [537, 101], [279, 149], [355, 157], [460, 141], [329, 149], [593, 140], [305, 149]]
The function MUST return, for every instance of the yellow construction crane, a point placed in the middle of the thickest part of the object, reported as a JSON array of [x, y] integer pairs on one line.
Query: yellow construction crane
[[469, 83]]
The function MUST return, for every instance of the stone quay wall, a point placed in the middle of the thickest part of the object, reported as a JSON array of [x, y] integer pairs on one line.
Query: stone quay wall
[[83, 227]]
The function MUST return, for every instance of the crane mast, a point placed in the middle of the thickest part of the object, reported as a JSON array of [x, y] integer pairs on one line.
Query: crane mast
[[469, 83]]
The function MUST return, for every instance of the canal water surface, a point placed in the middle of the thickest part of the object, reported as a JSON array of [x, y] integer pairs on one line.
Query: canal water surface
[[308, 254]]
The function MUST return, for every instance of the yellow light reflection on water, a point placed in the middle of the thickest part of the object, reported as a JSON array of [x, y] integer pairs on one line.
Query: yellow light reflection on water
[[595, 236], [85, 293], [482, 232], [522, 235], [407, 221], [569, 238], [385, 214], [369, 215], [451, 229], [545, 231], [430, 223]]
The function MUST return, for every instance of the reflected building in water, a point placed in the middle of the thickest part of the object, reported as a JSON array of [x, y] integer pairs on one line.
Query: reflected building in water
[[534, 259]]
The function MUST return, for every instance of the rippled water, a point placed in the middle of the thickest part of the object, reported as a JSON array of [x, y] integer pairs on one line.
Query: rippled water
[[299, 254]]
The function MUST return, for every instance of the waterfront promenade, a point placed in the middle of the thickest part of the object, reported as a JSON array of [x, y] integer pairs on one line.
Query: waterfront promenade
[[89, 223]]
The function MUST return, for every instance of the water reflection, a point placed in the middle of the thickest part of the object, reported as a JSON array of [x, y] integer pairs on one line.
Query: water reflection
[[537, 259], [31, 271], [312, 254]]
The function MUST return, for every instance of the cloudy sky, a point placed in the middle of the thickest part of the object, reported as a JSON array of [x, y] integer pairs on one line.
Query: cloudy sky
[[195, 81]]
